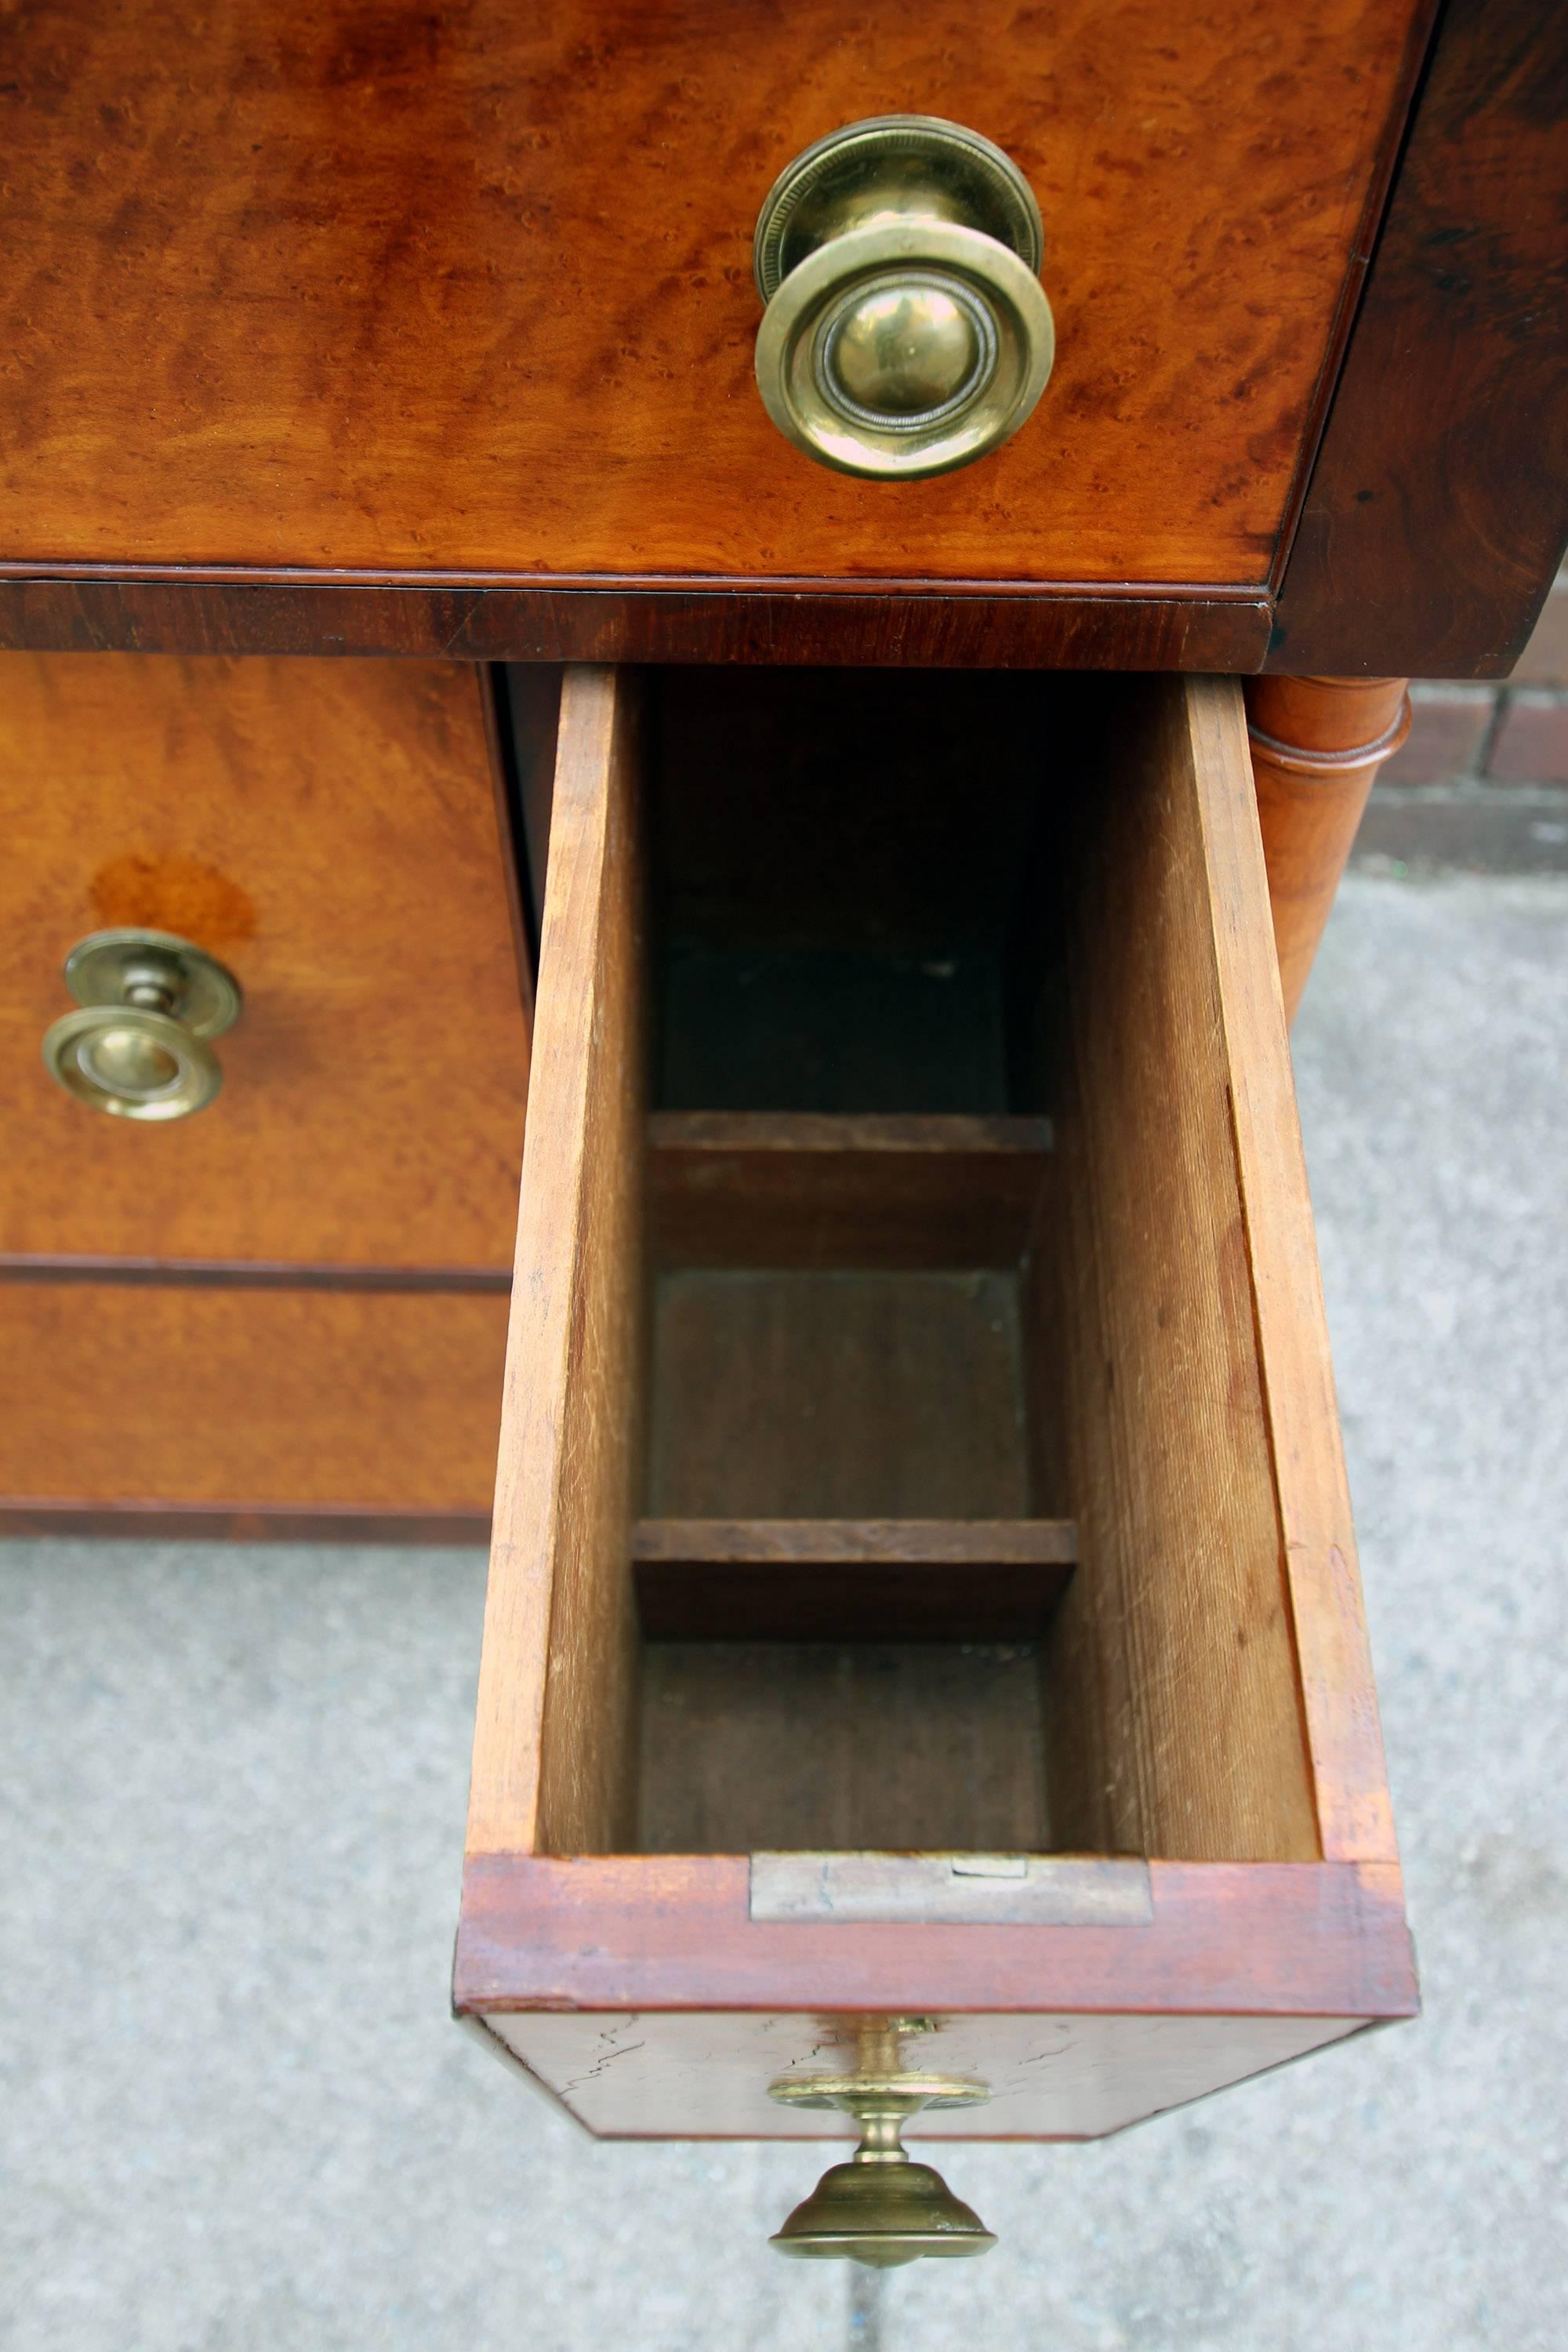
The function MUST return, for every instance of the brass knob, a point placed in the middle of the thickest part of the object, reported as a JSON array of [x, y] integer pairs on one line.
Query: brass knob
[[907, 331], [882, 2207], [138, 1049]]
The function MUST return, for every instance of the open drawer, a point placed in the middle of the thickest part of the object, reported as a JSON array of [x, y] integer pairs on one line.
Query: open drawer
[[923, 1582]]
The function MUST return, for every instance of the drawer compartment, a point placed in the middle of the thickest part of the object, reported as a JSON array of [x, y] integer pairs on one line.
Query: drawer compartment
[[919, 1438]]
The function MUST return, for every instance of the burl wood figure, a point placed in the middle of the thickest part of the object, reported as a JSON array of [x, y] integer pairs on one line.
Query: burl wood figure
[[808, 604]]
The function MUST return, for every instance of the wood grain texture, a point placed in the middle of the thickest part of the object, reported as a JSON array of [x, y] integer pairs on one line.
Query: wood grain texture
[[350, 1523], [240, 1402], [261, 1274], [1059, 2077], [749, 1746], [770, 1189], [792, 1395], [1317, 746], [1174, 1715], [1350, 1779], [327, 829], [1438, 505], [647, 1932], [472, 289], [849, 1579], [552, 1764], [728, 622]]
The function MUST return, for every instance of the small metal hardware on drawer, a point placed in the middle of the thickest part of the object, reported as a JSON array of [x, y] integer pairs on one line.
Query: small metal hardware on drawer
[[882, 2207], [907, 332], [139, 1047], [962, 1889]]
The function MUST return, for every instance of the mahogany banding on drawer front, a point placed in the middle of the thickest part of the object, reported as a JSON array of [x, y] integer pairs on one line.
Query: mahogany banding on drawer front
[[125, 1408], [1144, 1354]]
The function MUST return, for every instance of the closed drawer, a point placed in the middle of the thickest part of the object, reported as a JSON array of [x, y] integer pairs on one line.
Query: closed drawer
[[286, 1310], [192, 1409], [924, 1582], [559, 340], [327, 830]]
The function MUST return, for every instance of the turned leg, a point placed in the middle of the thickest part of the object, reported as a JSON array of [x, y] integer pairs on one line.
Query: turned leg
[[1317, 744]]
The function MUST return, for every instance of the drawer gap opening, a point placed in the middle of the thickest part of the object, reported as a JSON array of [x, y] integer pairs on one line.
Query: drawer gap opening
[[891, 1465], [840, 861]]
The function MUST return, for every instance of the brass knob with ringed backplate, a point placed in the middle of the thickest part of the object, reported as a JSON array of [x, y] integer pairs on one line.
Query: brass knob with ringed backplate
[[907, 331], [139, 1047], [881, 2208]]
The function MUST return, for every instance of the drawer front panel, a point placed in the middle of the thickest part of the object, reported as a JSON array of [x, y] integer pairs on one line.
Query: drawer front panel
[[1050, 2077], [327, 830], [545, 367], [240, 1402]]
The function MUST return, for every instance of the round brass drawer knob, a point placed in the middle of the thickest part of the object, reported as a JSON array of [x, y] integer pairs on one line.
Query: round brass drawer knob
[[139, 1047], [907, 331], [882, 2207]]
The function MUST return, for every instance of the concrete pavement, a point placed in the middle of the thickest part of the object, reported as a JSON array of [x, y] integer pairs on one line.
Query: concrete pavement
[[236, 2115]]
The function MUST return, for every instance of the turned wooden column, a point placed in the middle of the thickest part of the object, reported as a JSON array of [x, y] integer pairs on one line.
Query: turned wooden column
[[1317, 744]]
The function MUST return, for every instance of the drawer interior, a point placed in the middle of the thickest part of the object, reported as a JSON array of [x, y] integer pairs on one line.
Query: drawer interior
[[911, 1474], [842, 1010]]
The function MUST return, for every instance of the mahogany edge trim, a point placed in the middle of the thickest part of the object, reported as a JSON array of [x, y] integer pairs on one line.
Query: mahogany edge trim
[[242, 1522], [1404, 99], [674, 1932], [262, 1274], [989, 625], [42, 572]]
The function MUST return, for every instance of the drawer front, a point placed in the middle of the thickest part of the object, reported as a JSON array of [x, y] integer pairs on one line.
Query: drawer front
[[329, 832], [548, 370], [126, 1407], [919, 1472]]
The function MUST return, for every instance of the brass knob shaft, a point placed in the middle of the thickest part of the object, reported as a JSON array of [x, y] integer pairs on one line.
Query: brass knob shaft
[[882, 2207], [139, 1048], [906, 331]]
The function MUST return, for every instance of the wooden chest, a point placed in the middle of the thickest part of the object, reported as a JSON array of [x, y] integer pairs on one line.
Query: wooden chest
[[923, 1627]]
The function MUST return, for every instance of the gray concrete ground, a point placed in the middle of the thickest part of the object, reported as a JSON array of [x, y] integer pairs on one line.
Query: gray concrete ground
[[238, 2120]]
